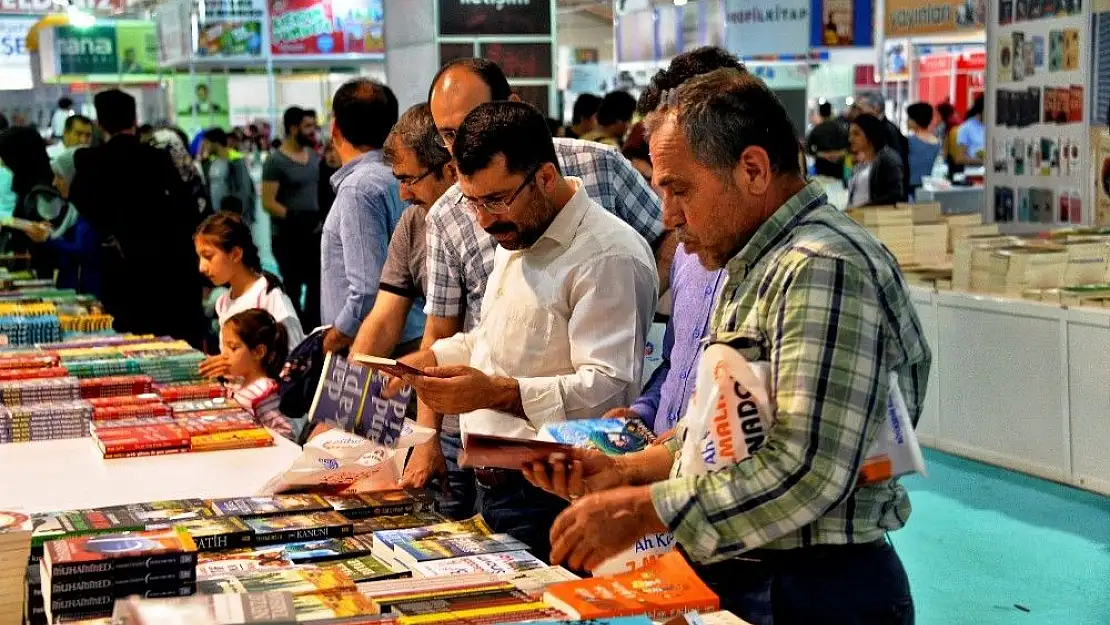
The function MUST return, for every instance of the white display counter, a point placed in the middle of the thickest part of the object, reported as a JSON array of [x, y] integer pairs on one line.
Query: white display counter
[[67, 474], [1019, 384]]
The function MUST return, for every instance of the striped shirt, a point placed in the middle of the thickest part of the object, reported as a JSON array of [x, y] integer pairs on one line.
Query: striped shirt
[[460, 253], [824, 302]]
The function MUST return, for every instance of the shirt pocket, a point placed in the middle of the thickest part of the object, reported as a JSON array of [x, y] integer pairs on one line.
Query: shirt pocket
[[520, 337]]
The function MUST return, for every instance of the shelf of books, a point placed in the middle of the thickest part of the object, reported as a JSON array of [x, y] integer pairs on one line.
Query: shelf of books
[[384, 557], [1019, 328]]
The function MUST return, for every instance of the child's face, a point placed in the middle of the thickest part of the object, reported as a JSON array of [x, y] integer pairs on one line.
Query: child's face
[[241, 360], [216, 264]]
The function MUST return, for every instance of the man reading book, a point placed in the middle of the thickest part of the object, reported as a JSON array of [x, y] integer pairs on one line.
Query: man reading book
[[564, 317], [787, 535]]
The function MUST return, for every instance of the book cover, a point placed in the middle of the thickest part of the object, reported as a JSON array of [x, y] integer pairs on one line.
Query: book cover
[[274, 608], [230, 563], [536, 581], [232, 439], [56, 525], [142, 438], [462, 603], [425, 549], [328, 549], [382, 503], [298, 581], [299, 527], [105, 553], [495, 563], [501, 452], [350, 397], [248, 507], [332, 605], [15, 526], [610, 436], [366, 569], [401, 522], [218, 533], [666, 587], [384, 541]]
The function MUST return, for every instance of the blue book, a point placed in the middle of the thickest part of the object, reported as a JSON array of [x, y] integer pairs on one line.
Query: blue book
[[611, 436], [411, 552], [349, 397]]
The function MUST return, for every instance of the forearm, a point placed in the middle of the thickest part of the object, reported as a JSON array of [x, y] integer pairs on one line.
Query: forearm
[[275, 208], [381, 332]]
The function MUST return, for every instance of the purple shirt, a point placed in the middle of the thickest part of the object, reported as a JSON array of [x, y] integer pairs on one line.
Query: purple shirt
[[694, 290]]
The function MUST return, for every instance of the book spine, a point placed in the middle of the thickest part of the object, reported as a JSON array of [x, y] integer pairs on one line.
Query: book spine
[[223, 542], [130, 566], [95, 602], [142, 453], [167, 587], [303, 535], [393, 509]]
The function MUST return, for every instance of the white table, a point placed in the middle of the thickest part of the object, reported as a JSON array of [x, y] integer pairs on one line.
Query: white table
[[68, 474]]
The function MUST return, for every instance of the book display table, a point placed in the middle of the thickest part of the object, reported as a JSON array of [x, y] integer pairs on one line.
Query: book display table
[[69, 474], [1019, 384]]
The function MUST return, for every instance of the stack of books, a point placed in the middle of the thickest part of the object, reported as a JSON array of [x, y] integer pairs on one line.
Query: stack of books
[[44, 421], [1088, 260], [15, 549], [961, 227], [973, 255], [1012, 270], [82, 577], [930, 244], [891, 225], [189, 432]]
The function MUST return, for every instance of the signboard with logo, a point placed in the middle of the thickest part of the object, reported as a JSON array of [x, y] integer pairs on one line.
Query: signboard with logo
[[126, 50], [230, 28], [311, 27], [42, 7], [494, 17], [767, 27], [908, 18], [842, 23], [15, 59]]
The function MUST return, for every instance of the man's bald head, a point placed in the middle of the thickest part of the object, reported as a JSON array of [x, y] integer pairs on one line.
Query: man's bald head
[[459, 87]]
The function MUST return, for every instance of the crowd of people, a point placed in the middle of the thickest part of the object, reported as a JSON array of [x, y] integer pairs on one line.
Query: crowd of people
[[519, 273], [881, 165]]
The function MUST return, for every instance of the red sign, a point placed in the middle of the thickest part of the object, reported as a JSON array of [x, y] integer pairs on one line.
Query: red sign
[[303, 27]]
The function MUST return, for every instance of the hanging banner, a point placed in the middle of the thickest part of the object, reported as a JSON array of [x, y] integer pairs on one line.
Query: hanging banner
[[312, 27], [42, 7], [200, 102], [230, 28], [123, 48], [842, 23], [15, 59], [767, 27], [908, 18], [494, 17]]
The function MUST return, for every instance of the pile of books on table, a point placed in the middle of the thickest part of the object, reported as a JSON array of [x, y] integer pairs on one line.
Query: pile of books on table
[[15, 549], [306, 558], [174, 433]]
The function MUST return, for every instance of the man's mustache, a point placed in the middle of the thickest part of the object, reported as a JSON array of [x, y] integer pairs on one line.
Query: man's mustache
[[501, 228]]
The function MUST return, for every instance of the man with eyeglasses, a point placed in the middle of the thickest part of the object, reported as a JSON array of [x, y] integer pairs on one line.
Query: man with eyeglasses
[[423, 169], [571, 297]]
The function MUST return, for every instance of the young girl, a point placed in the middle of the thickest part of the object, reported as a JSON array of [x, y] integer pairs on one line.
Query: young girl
[[228, 256], [254, 346]]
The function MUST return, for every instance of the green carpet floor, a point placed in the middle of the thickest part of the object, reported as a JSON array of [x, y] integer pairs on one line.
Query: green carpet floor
[[982, 541]]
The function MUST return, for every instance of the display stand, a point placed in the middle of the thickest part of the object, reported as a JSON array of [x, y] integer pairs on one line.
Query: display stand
[[1018, 384], [1038, 142]]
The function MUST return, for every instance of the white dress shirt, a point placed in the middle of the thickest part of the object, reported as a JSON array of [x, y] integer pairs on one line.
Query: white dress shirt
[[567, 318]]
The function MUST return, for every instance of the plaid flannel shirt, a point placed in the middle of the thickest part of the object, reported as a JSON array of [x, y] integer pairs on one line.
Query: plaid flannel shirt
[[824, 302], [460, 253]]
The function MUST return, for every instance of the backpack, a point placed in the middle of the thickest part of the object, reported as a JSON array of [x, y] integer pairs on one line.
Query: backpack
[[301, 375]]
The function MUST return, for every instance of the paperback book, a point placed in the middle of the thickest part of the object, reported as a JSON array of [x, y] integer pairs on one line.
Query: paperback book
[[401, 522], [234, 439], [425, 549], [298, 581], [384, 541], [501, 452], [350, 398], [332, 605], [610, 436], [378, 504], [329, 549], [229, 563], [218, 533], [299, 527], [172, 581], [366, 569], [274, 608], [463, 603], [249, 507], [664, 588], [495, 563], [119, 554]]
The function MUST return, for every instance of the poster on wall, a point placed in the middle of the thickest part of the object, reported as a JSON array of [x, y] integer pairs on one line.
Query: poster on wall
[[200, 102], [128, 50], [1038, 138], [230, 28], [909, 18], [479, 18], [767, 27], [15, 58], [310, 27], [520, 60], [842, 23]]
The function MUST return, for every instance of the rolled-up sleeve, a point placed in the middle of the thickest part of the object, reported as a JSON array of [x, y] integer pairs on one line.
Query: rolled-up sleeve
[[364, 231], [830, 386], [454, 350], [607, 357]]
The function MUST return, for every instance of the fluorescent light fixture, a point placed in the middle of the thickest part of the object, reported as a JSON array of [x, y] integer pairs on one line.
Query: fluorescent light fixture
[[680, 3]]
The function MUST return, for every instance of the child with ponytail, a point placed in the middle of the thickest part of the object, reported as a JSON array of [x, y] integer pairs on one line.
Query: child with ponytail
[[254, 346], [228, 256]]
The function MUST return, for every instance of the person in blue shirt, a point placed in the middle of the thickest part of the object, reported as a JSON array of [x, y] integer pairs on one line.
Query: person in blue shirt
[[367, 208], [971, 138], [924, 145]]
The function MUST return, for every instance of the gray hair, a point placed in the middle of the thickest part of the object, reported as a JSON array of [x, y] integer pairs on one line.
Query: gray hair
[[416, 130], [726, 111]]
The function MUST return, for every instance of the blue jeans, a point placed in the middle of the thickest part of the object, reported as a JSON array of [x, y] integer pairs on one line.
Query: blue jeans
[[458, 500], [846, 585]]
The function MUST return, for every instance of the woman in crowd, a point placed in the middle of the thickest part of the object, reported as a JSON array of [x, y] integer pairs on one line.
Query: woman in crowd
[[229, 257], [175, 143], [877, 177], [23, 152], [924, 145], [947, 130]]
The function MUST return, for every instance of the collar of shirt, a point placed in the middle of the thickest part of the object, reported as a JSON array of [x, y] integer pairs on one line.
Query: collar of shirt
[[771, 233], [561, 229], [348, 168]]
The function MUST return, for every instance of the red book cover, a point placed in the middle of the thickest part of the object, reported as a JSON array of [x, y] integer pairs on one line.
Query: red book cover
[[199, 423], [116, 386], [501, 452], [662, 589], [131, 411], [142, 438], [144, 453], [127, 400], [27, 374], [189, 391]]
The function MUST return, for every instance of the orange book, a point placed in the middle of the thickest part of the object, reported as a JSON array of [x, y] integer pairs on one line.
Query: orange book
[[660, 590]]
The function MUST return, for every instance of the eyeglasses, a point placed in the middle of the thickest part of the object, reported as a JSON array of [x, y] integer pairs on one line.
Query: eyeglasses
[[412, 181], [446, 138], [498, 207]]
